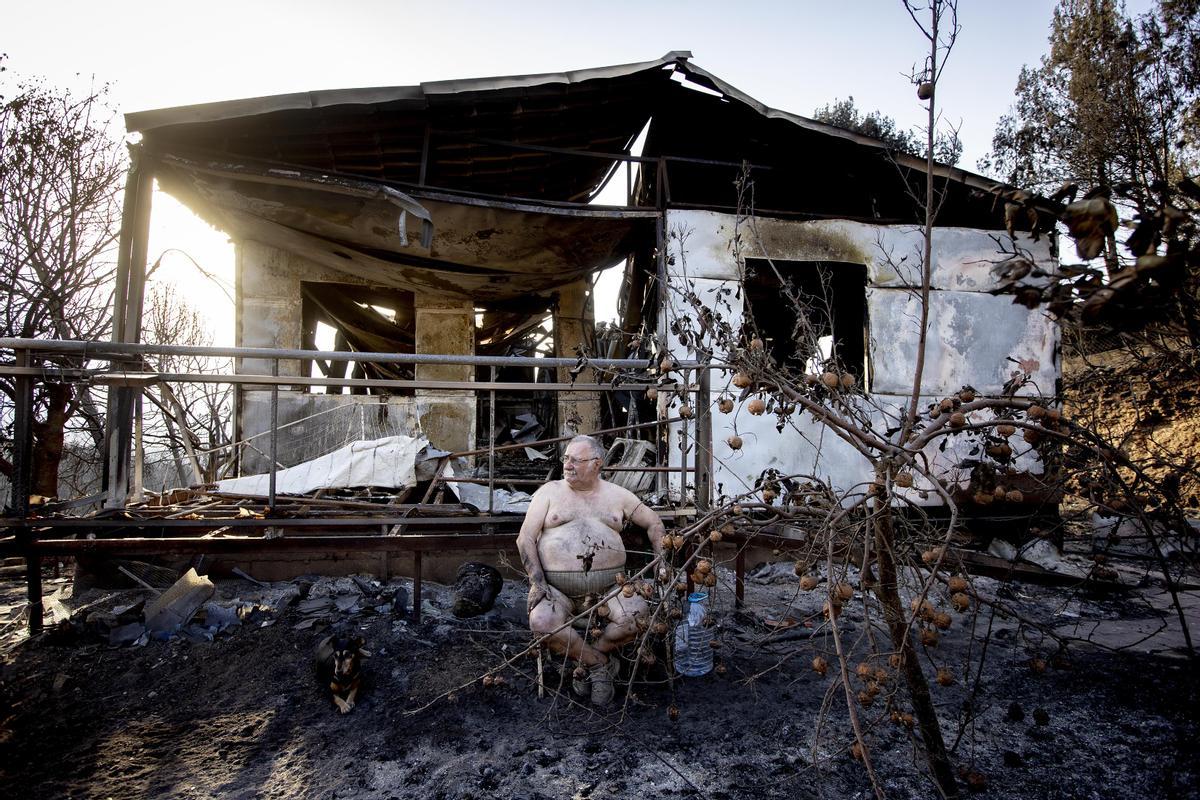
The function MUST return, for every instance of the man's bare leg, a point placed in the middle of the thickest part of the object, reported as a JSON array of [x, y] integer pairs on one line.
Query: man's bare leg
[[552, 614], [623, 613]]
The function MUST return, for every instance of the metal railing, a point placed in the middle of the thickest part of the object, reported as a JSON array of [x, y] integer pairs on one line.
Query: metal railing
[[401, 527]]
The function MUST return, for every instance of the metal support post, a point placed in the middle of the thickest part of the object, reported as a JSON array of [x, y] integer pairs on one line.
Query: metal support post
[[492, 445], [703, 461], [21, 486], [274, 435]]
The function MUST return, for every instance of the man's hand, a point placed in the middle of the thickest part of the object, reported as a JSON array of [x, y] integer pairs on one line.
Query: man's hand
[[537, 593]]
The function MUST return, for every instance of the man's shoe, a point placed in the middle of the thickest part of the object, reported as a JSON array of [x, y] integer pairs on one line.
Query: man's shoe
[[602, 677]]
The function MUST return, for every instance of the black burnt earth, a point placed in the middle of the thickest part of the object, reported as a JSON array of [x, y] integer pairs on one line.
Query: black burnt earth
[[241, 716]]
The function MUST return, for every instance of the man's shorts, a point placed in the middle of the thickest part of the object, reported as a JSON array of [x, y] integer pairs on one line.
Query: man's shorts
[[577, 585]]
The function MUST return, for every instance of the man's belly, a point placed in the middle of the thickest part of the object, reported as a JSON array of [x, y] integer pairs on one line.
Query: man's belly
[[582, 545]]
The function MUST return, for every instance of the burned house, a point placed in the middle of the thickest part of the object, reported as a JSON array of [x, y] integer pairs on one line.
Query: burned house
[[458, 218]]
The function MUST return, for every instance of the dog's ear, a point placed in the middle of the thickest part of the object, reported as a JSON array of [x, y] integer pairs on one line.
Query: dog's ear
[[357, 642]]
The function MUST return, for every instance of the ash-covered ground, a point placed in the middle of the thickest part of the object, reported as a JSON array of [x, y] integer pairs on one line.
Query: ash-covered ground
[[241, 716]]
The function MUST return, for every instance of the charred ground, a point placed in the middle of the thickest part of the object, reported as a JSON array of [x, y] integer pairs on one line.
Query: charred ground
[[242, 716]]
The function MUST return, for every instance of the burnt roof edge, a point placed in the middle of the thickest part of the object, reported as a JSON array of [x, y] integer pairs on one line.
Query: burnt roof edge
[[143, 121]]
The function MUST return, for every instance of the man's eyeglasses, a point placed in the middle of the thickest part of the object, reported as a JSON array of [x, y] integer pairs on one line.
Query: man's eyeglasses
[[573, 461]]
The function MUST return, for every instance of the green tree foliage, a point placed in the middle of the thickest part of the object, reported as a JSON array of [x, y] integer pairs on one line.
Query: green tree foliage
[[1113, 103], [845, 114], [1113, 111]]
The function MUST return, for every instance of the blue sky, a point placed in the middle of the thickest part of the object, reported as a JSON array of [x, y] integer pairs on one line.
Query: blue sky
[[796, 56], [792, 55]]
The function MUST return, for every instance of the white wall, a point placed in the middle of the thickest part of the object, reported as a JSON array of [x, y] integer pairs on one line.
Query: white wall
[[972, 334]]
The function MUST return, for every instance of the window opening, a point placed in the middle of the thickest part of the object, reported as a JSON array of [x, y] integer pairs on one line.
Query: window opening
[[816, 319]]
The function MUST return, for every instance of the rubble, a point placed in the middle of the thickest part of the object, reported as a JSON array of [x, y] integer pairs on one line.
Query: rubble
[[171, 610]]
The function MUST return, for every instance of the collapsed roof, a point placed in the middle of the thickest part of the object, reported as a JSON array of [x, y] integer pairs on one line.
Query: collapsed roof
[[505, 167]]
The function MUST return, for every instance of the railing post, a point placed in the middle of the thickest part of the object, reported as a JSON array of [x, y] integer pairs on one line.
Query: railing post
[[274, 435], [21, 486], [703, 460], [492, 445]]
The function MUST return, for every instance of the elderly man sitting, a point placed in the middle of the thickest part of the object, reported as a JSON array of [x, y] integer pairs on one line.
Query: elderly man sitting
[[570, 544]]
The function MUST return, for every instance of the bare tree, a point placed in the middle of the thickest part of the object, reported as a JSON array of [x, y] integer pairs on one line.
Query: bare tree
[[190, 419], [60, 189]]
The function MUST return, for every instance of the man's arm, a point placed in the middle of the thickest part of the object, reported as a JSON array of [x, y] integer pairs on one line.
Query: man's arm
[[527, 539], [643, 516]]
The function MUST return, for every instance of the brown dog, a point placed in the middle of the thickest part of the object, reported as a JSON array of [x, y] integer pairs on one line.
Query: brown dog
[[338, 662]]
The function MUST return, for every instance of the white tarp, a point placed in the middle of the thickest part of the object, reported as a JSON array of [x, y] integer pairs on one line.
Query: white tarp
[[389, 462], [505, 502]]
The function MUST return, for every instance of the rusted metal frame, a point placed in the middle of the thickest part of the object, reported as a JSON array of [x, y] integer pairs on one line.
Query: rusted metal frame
[[138, 379], [288, 380], [374, 543], [283, 523], [22, 480], [362, 505], [105, 350], [489, 482]]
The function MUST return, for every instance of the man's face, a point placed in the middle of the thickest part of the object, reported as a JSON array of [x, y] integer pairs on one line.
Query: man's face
[[581, 466]]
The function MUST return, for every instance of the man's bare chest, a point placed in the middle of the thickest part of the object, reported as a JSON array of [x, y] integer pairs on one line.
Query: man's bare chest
[[589, 511]]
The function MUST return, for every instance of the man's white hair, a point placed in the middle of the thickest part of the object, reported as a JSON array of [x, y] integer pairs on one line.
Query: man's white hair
[[598, 450]]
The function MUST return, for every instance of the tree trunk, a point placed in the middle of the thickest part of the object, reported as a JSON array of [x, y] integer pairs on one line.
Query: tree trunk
[[887, 590], [48, 440]]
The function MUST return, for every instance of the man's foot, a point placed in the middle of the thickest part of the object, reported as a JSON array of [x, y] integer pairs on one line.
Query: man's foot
[[602, 677], [579, 681]]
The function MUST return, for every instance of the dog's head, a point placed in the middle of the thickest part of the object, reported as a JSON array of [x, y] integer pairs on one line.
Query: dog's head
[[347, 653]]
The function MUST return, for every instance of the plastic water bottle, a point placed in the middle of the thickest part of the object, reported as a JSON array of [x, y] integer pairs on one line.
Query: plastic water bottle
[[693, 649]]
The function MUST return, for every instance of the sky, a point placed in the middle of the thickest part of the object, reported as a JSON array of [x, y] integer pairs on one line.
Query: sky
[[796, 56]]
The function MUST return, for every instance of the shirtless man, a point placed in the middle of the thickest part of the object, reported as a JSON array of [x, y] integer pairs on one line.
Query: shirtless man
[[570, 544]]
